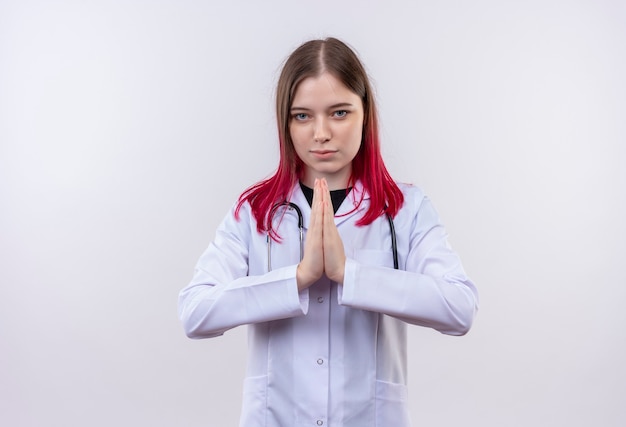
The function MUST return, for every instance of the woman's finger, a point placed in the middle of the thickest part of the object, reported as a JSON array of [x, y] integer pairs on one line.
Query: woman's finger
[[334, 254], [311, 266]]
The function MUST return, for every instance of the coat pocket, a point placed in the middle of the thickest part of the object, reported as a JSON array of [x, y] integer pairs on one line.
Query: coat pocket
[[254, 404], [374, 257], [392, 405]]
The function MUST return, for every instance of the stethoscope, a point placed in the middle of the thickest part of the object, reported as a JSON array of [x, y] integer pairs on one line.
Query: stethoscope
[[291, 205]]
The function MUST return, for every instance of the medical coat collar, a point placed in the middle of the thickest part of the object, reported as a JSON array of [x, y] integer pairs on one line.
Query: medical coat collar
[[343, 213]]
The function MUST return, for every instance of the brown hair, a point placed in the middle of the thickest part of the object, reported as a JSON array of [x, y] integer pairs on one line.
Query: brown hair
[[312, 59]]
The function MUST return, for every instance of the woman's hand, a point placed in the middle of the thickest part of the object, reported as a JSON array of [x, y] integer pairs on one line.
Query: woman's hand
[[334, 254], [323, 249], [311, 267]]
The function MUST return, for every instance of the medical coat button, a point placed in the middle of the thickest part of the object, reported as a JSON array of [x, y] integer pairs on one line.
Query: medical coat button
[[320, 299], [319, 362], [320, 422]]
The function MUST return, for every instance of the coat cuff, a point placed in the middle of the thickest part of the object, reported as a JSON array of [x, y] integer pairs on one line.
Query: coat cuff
[[346, 290], [295, 297]]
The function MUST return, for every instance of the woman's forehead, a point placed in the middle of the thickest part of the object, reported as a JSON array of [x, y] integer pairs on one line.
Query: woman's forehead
[[323, 91]]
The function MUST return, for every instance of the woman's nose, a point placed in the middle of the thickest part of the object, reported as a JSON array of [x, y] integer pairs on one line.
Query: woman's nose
[[321, 133]]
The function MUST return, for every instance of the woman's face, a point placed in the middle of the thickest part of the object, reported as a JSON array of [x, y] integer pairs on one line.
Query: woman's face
[[326, 127]]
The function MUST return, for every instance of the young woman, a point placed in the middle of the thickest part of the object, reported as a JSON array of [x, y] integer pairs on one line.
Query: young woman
[[327, 312]]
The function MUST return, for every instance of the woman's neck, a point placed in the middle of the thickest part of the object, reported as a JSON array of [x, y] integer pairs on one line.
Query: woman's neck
[[334, 181]]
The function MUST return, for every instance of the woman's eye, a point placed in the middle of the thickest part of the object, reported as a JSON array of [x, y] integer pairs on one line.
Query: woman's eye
[[300, 116], [340, 113]]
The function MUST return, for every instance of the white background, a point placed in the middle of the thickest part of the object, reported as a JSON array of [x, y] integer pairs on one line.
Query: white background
[[128, 128]]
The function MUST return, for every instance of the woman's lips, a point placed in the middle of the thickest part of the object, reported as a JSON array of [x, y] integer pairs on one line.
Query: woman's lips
[[323, 153]]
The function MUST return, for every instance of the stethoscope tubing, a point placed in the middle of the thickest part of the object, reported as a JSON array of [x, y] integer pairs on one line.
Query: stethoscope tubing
[[291, 205], [394, 243], [300, 228]]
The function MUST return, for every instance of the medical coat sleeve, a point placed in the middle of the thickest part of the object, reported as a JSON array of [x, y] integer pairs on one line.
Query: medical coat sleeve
[[431, 290], [221, 295]]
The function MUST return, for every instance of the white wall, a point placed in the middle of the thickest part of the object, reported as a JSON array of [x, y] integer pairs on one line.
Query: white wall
[[127, 128]]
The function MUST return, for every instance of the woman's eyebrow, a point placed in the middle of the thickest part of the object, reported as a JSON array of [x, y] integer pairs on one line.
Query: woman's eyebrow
[[338, 105]]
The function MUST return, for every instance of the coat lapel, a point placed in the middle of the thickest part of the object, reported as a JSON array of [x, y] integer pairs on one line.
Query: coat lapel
[[355, 204]]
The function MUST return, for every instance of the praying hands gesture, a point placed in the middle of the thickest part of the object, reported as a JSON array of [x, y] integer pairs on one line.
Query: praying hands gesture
[[323, 249]]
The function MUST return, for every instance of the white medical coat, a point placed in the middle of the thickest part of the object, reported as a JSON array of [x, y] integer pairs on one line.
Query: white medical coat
[[333, 355]]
